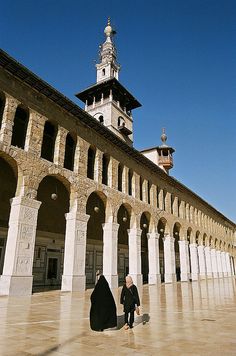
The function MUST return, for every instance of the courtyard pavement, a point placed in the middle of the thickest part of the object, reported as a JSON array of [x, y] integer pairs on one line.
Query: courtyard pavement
[[197, 318]]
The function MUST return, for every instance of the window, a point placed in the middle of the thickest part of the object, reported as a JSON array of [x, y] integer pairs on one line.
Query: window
[[120, 174], [149, 192], [101, 119], [105, 163], [48, 145], [103, 71], [20, 127], [130, 176], [141, 188], [91, 161], [69, 152], [2, 106]]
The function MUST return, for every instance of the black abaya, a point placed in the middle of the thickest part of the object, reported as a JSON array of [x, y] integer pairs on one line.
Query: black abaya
[[103, 307]]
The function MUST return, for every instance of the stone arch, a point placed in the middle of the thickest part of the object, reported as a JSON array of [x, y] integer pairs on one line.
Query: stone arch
[[144, 226], [190, 235], [8, 186], [124, 216], [54, 194], [205, 240], [96, 209], [176, 235], [21, 119], [162, 229]]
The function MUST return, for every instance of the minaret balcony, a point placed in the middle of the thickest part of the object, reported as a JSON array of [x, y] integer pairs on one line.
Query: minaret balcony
[[124, 130], [165, 161]]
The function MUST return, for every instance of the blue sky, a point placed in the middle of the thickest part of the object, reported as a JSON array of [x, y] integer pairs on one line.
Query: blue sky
[[178, 58]]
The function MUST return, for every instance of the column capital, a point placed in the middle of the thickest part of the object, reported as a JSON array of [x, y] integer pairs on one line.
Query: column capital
[[75, 215], [153, 235], [110, 226]]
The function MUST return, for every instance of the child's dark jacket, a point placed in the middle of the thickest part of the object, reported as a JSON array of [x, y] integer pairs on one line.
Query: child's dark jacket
[[129, 298]]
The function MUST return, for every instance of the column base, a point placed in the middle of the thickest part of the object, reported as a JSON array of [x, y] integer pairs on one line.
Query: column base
[[170, 277], [184, 277], [16, 285], [112, 280], [195, 276], [73, 283], [137, 279], [154, 279]]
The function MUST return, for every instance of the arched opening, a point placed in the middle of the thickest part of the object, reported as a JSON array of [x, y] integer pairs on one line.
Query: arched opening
[[20, 127], [144, 226], [141, 188], [176, 232], [123, 219], [130, 177], [95, 207], [101, 119], [105, 165], [189, 239], [69, 152], [161, 231], [48, 145], [120, 175], [91, 162], [2, 106], [50, 235], [149, 191], [8, 183], [164, 199]]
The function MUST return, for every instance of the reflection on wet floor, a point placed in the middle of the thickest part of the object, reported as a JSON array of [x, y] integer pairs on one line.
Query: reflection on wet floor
[[197, 318]]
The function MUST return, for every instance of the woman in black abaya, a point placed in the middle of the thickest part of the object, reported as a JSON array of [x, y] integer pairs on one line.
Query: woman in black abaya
[[103, 307]]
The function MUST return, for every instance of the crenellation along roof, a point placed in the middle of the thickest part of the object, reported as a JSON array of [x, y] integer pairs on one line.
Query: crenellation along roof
[[26, 76]]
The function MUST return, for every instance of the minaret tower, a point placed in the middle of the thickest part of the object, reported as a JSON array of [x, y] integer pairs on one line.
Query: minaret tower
[[161, 155], [107, 100]]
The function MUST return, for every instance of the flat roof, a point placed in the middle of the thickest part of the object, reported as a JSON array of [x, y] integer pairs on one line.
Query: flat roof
[[32, 80]]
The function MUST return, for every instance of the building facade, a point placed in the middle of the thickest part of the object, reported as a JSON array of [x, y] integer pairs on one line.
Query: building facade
[[76, 197]]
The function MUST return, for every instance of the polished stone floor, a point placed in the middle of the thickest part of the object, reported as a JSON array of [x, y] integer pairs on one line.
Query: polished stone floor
[[197, 318]]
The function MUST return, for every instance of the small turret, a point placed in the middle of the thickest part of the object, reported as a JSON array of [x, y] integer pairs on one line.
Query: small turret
[[161, 155]]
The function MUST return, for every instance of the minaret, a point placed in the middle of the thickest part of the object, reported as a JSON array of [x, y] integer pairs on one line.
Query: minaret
[[107, 100], [108, 67], [161, 155]]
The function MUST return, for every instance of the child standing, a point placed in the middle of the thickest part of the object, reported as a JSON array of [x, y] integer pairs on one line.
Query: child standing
[[130, 300]]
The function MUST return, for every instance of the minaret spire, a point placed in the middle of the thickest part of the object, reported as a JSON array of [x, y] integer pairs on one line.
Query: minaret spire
[[108, 67]]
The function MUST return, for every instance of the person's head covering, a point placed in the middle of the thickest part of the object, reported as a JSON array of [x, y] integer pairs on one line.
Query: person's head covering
[[128, 281], [103, 307]]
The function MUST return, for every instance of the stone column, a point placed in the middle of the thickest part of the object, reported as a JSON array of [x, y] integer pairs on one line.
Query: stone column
[[60, 144], [113, 173], [202, 262], [219, 264], [194, 262], [74, 278], [228, 264], [98, 166], [135, 256], [110, 241], [17, 276], [184, 260], [169, 257], [81, 157], [214, 263], [154, 276], [8, 119], [125, 180], [208, 261], [34, 135], [223, 261]]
